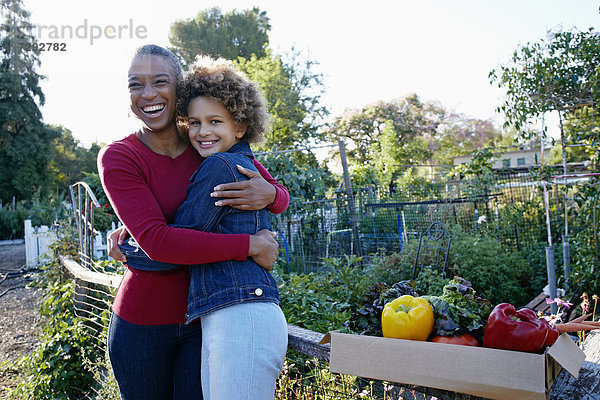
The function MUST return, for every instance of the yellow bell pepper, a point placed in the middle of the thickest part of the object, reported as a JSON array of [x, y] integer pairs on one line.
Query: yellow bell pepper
[[407, 317]]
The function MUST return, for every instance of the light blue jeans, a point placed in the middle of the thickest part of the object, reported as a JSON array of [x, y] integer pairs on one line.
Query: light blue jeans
[[243, 347]]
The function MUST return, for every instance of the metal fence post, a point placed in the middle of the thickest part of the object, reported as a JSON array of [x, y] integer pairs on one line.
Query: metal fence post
[[566, 259], [350, 195]]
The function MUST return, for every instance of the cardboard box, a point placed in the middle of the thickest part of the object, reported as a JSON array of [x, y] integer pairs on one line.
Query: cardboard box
[[479, 371]]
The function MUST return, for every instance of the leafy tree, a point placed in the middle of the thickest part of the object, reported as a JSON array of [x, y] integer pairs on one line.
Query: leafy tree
[[300, 173], [582, 126], [459, 135], [558, 74], [549, 75], [231, 35], [292, 91], [410, 118], [480, 164], [25, 142], [71, 161], [290, 85], [385, 164]]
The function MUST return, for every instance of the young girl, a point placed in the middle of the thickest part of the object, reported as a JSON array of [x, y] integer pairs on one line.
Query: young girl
[[244, 332]]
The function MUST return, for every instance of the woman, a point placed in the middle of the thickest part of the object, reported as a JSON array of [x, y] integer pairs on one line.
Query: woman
[[153, 353]]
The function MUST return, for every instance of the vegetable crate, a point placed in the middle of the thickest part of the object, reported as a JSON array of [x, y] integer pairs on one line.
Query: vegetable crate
[[479, 371]]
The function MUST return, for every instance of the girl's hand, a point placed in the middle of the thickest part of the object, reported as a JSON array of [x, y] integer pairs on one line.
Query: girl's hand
[[263, 248], [252, 194], [113, 241]]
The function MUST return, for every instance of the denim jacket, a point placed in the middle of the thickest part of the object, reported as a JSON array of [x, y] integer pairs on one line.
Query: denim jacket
[[217, 285]]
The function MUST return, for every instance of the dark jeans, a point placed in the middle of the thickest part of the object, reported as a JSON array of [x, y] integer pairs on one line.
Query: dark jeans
[[156, 362]]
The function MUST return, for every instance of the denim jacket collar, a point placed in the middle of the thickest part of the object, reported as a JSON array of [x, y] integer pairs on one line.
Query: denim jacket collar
[[241, 148]]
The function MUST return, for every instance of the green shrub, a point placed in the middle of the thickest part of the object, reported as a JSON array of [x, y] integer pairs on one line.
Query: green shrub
[[394, 267], [322, 301], [39, 211], [56, 368], [585, 244], [496, 274]]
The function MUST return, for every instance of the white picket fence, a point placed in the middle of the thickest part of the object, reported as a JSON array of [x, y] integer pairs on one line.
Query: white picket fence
[[39, 238]]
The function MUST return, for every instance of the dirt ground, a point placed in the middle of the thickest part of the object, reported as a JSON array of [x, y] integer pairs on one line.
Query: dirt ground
[[19, 316]]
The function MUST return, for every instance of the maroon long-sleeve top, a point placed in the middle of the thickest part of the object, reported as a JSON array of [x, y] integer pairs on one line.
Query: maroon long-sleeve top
[[145, 190]]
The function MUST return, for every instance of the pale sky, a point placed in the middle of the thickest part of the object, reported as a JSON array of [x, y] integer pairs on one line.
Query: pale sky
[[369, 50]]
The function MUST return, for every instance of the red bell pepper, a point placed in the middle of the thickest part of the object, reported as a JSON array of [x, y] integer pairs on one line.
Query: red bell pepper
[[521, 330]]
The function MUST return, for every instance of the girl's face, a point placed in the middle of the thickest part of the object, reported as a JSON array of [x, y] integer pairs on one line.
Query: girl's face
[[152, 93], [212, 127]]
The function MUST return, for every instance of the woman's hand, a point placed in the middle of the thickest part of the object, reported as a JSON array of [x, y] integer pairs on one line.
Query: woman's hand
[[113, 241], [263, 248], [252, 194]]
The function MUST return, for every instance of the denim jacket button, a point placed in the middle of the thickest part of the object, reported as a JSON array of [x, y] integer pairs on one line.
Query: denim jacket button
[[258, 292]]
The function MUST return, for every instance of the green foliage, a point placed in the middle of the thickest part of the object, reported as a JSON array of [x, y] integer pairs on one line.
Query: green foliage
[[55, 368], [305, 305], [58, 366], [430, 281], [394, 267], [293, 92], [231, 35], [461, 135], [25, 142], [310, 379], [582, 125], [585, 249], [282, 100], [322, 301], [498, 275], [459, 310], [410, 117], [514, 216], [548, 75], [362, 175], [300, 173], [366, 319], [70, 160], [480, 164], [41, 211], [104, 215], [45, 210], [290, 84], [386, 149]]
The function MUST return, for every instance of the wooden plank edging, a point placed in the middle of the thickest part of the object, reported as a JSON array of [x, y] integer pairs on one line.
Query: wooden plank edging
[[89, 276], [306, 342]]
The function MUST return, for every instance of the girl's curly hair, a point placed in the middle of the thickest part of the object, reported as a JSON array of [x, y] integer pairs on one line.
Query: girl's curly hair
[[218, 79]]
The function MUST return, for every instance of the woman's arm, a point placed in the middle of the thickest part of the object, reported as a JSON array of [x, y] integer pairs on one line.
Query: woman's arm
[[260, 191], [137, 207], [199, 211]]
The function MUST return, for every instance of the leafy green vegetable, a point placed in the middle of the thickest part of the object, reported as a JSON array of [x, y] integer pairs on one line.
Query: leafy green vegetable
[[366, 320], [459, 310]]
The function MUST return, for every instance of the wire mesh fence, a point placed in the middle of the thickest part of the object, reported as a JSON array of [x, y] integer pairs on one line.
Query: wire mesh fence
[[507, 205]]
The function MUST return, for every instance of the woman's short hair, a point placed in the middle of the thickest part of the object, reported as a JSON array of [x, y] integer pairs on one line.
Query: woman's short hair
[[155, 50], [218, 79]]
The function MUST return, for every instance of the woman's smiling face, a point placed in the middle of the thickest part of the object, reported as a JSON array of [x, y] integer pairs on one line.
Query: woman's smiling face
[[151, 85]]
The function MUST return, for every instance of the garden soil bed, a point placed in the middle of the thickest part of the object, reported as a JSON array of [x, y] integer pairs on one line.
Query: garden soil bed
[[19, 312]]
